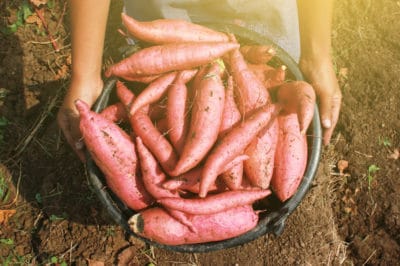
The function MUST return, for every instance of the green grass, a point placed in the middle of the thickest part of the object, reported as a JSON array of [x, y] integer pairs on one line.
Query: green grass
[[57, 261], [13, 258], [372, 169], [384, 141], [7, 241]]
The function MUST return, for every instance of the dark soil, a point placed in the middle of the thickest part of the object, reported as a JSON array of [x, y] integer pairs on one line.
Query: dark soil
[[352, 218]]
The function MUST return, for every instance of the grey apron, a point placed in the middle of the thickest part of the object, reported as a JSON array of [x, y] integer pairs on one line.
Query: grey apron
[[277, 20]]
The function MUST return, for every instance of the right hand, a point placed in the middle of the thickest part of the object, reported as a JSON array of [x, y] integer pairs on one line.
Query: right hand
[[68, 116]]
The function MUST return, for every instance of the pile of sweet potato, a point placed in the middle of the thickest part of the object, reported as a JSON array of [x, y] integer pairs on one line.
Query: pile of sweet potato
[[205, 139]]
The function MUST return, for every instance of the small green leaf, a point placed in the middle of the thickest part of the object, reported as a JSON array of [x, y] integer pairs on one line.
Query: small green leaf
[[372, 169], [26, 10], [384, 141], [11, 29], [7, 241], [54, 259], [54, 217]]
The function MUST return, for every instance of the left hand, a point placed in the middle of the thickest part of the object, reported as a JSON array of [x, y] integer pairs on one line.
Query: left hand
[[320, 74]]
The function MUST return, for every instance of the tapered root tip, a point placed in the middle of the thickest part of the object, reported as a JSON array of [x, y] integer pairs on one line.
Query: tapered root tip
[[109, 72]]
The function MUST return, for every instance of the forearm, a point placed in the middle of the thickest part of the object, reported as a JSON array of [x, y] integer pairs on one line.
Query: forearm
[[88, 22], [315, 21]]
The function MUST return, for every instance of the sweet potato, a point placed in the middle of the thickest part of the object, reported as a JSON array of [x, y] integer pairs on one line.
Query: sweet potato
[[154, 140], [158, 110], [160, 59], [261, 70], [114, 153], [189, 181], [152, 174], [250, 92], [206, 117], [162, 126], [275, 77], [258, 54], [145, 79], [124, 94], [153, 92], [233, 176], [153, 177], [231, 116], [115, 113], [268, 75], [144, 128], [234, 143], [290, 157], [155, 224], [163, 31], [258, 168], [214, 203], [177, 109], [298, 97], [261, 151]]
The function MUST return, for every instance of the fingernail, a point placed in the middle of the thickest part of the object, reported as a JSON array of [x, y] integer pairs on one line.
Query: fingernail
[[326, 123]]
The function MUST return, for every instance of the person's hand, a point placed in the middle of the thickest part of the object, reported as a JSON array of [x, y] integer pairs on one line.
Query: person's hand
[[320, 74], [68, 116]]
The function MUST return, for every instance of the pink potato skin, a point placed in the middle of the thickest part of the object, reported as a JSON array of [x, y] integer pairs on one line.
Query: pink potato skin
[[153, 176], [144, 128], [290, 157], [124, 94], [162, 31], [275, 77], [154, 140], [114, 153], [206, 118], [177, 109], [155, 224], [215, 203], [250, 92], [189, 181], [153, 92], [115, 113], [268, 75], [165, 58], [261, 151], [231, 116], [233, 144], [257, 54]]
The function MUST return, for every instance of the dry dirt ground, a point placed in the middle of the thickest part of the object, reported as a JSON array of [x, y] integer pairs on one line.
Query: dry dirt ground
[[49, 214]]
